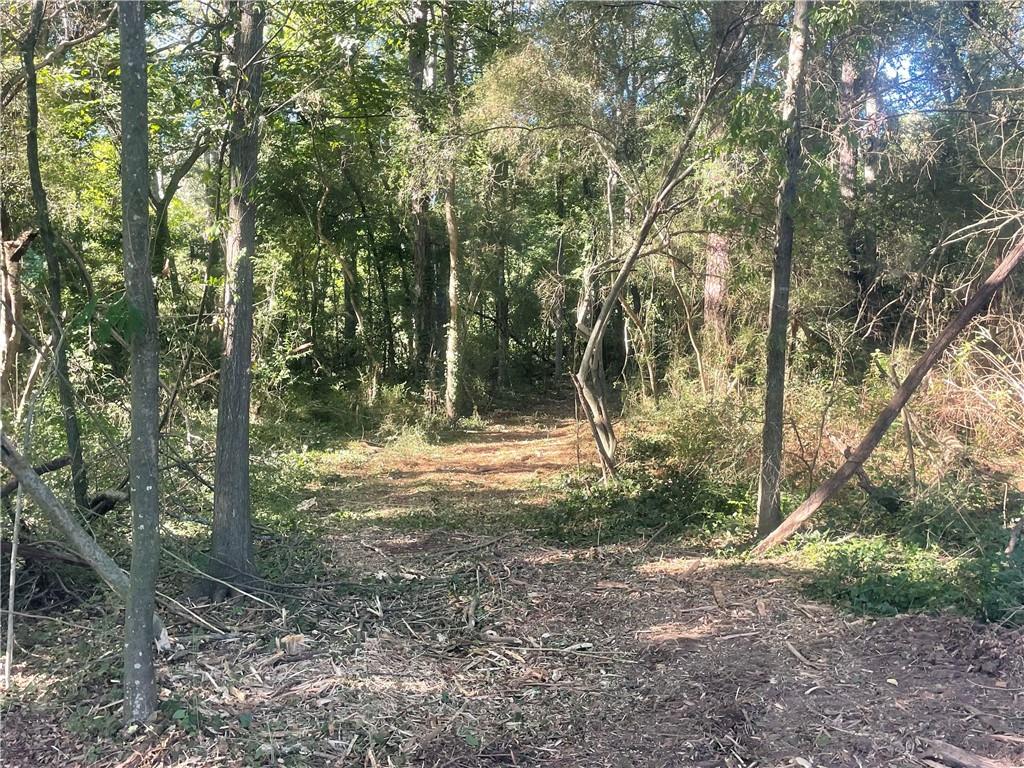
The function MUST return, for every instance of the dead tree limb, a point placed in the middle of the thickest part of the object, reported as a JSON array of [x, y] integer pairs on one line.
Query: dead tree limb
[[959, 758], [82, 543], [40, 469], [927, 361]]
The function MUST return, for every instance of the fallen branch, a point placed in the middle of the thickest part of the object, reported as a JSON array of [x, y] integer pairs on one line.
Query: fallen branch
[[927, 361], [40, 469], [35, 551], [83, 544], [959, 758]]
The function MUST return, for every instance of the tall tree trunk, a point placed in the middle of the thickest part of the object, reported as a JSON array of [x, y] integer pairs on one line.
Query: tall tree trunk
[[453, 349], [419, 41], [232, 546], [847, 152], [79, 478], [501, 316], [143, 460], [867, 268], [378, 265], [501, 288], [768, 517], [978, 302]]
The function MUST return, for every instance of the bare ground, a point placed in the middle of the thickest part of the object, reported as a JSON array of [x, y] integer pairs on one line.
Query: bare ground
[[440, 647]]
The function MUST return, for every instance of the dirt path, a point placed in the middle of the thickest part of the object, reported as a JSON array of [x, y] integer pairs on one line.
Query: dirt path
[[436, 646]]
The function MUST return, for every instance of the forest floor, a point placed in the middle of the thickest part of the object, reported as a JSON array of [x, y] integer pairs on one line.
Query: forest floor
[[435, 634]]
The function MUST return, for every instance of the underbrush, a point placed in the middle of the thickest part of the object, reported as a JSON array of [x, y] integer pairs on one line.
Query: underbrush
[[937, 543], [943, 549], [317, 416], [641, 503]]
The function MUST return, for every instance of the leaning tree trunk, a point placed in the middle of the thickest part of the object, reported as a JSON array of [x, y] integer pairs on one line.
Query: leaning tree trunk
[[59, 517], [453, 349], [778, 315], [932, 355], [231, 546], [143, 461], [589, 376], [66, 393]]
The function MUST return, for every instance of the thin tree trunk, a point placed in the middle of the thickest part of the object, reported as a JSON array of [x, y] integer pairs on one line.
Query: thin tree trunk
[[501, 288], [232, 546], [900, 397], [10, 296], [559, 309], [589, 376], [867, 268], [453, 349], [419, 41], [382, 283], [79, 478], [714, 335], [847, 152], [143, 460], [778, 317]]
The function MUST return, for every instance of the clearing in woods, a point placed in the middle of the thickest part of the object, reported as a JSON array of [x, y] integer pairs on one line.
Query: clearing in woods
[[439, 633]]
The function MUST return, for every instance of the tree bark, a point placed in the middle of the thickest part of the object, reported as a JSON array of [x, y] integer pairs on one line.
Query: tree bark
[[715, 334], [453, 349], [778, 315], [232, 545], [727, 31], [10, 296], [143, 460], [79, 478], [931, 356]]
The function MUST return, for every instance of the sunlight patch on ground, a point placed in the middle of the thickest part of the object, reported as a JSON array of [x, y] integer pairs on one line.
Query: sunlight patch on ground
[[672, 566], [675, 631]]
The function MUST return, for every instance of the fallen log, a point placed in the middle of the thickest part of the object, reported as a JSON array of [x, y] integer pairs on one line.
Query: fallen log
[[927, 361], [82, 543]]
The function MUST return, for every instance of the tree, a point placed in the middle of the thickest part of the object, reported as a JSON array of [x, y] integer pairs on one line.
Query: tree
[[143, 460], [453, 349], [55, 283], [782, 268], [232, 546], [855, 460]]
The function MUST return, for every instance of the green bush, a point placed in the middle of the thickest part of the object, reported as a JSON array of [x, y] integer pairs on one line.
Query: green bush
[[885, 575], [638, 503]]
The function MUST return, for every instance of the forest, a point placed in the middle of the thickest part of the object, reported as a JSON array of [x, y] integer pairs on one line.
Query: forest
[[565, 383]]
